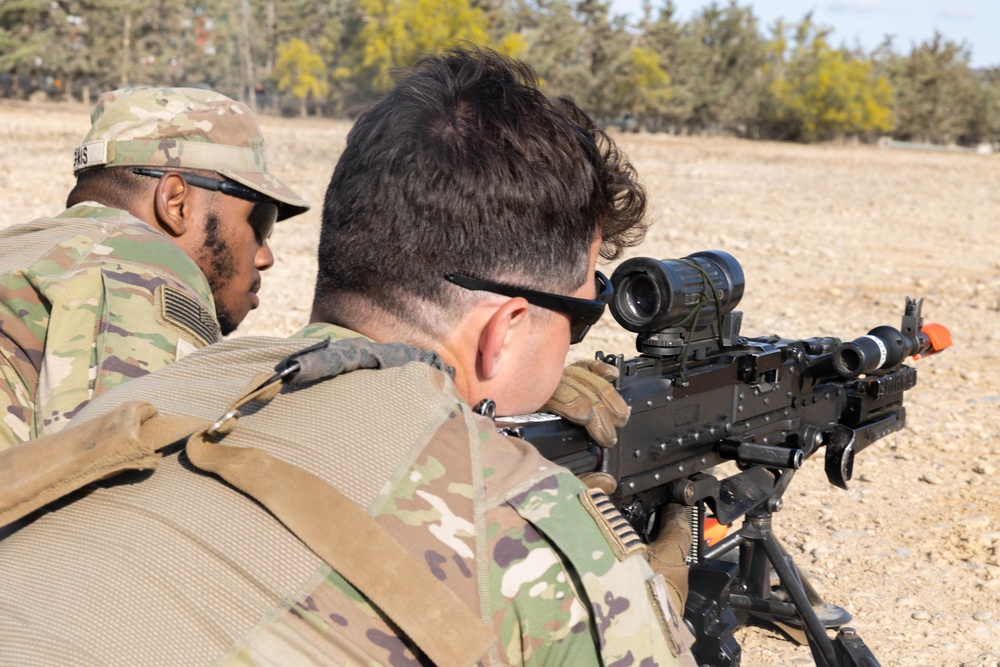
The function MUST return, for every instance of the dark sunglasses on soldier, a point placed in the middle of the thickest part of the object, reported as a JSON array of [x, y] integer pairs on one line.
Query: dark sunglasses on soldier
[[263, 215], [583, 313]]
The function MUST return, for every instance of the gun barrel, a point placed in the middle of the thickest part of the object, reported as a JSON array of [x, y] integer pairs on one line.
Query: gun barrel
[[887, 347], [863, 355]]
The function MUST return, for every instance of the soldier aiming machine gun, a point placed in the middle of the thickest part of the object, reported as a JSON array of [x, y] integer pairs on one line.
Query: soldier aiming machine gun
[[701, 395]]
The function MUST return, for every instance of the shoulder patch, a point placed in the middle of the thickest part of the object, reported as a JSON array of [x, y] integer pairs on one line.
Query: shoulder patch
[[619, 533], [665, 614], [184, 311]]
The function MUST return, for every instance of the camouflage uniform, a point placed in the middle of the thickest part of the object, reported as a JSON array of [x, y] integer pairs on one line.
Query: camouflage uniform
[[94, 297], [181, 569], [89, 299]]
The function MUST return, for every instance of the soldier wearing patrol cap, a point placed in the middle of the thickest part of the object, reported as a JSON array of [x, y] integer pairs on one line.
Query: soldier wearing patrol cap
[[158, 253]]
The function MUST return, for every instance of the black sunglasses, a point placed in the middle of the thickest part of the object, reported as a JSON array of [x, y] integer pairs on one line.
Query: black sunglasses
[[583, 313], [263, 215]]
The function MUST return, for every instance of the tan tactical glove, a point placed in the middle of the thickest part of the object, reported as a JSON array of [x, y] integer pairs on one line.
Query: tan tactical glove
[[667, 554], [585, 396]]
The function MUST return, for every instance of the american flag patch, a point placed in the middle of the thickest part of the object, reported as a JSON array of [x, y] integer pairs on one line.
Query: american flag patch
[[184, 311]]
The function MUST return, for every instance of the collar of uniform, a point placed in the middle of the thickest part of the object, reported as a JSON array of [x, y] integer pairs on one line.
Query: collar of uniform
[[87, 209], [323, 330], [167, 256]]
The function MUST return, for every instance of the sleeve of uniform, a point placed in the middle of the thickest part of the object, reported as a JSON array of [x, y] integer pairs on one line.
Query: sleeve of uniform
[[110, 322], [15, 405], [565, 591], [23, 322]]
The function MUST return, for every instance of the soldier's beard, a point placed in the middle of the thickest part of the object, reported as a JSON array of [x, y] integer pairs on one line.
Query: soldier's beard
[[227, 323], [219, 268]]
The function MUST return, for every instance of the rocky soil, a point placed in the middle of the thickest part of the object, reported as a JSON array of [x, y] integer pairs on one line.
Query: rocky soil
[[831, 238]]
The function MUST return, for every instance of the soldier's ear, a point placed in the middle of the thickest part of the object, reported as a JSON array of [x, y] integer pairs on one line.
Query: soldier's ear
[[495, 337], [173, 204]]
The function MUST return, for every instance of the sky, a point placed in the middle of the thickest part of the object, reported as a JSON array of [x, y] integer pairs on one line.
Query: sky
[[865, 23]]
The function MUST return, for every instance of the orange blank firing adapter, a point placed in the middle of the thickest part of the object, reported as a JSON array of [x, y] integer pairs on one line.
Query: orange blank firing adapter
[[939, 338]]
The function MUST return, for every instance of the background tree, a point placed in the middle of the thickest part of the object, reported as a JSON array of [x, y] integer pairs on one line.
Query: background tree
[[664, 36], [33, 34], [189, 43], [716, 72], [644, 93], [99, 57], [937, 95], [330, 28], [300, 72], [580, 50], [986, 124], [554, 41], [397, 32], [823, 93], [716, 69], [66, 46], [605, 57]]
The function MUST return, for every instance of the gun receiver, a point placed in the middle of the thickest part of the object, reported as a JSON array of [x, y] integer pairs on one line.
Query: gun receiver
[[701, 395]]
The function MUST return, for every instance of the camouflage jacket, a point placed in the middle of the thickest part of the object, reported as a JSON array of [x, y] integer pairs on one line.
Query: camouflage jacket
[[181, 569], [89, 299]]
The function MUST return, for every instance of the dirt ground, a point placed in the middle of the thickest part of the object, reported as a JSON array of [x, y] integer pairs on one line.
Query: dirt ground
[[831, 238]]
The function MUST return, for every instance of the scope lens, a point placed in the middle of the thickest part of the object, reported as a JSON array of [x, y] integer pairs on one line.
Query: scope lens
[[642, 297], [654, 295]]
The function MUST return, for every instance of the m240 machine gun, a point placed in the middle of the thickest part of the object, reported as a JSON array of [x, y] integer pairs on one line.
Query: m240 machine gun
[[701, 395]]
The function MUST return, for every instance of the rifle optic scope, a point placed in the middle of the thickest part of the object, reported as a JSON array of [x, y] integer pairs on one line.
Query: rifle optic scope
[[653, 295]]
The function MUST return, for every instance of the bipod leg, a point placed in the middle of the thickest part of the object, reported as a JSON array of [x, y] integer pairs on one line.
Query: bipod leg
[[757, 531], [830, 615]]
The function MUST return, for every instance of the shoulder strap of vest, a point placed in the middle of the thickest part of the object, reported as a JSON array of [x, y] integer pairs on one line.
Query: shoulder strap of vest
[[428, 612]]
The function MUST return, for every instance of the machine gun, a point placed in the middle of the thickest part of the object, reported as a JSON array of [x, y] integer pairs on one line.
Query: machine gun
[[702, 396]]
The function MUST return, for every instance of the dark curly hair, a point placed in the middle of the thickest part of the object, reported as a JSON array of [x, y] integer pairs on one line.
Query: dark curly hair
[[465, 166]]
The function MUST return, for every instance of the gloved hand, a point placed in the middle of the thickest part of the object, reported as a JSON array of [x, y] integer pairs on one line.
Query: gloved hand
[[585, 396], [667, 554]]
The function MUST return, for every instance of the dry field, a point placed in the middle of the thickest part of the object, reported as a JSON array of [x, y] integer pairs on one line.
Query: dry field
[[831, 239]]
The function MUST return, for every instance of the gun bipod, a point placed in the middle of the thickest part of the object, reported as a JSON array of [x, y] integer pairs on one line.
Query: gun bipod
[[748, 594]]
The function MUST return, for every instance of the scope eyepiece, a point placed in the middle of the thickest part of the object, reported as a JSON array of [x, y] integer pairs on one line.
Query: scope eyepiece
[[653, 295]]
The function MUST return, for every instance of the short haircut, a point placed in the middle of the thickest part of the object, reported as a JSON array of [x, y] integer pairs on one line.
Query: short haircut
[[119, 187], [116, 187], [465, 166]]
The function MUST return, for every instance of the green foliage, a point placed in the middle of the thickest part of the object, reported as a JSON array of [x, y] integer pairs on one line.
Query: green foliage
[[986, 125], [513, 44], [183, 44], [555, 47], [580, 50], [645, 91], [26, 29], [938, 97], [398, 32], [716, 72], [300, 72], [821, 93], [716, 67], [331, 29]]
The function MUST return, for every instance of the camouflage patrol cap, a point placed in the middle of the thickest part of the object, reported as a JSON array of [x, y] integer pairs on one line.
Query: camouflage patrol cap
[[182, 128]]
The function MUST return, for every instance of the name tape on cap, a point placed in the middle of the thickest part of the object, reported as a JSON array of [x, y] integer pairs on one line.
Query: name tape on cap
[[88, 155]]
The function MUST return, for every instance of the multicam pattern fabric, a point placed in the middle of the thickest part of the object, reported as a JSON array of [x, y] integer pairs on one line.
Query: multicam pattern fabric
[[88, 300], [182, 128], [502, 527], [506, 530]]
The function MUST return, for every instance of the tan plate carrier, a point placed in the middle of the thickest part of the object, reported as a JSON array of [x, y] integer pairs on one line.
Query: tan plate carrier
[[131, 437]]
